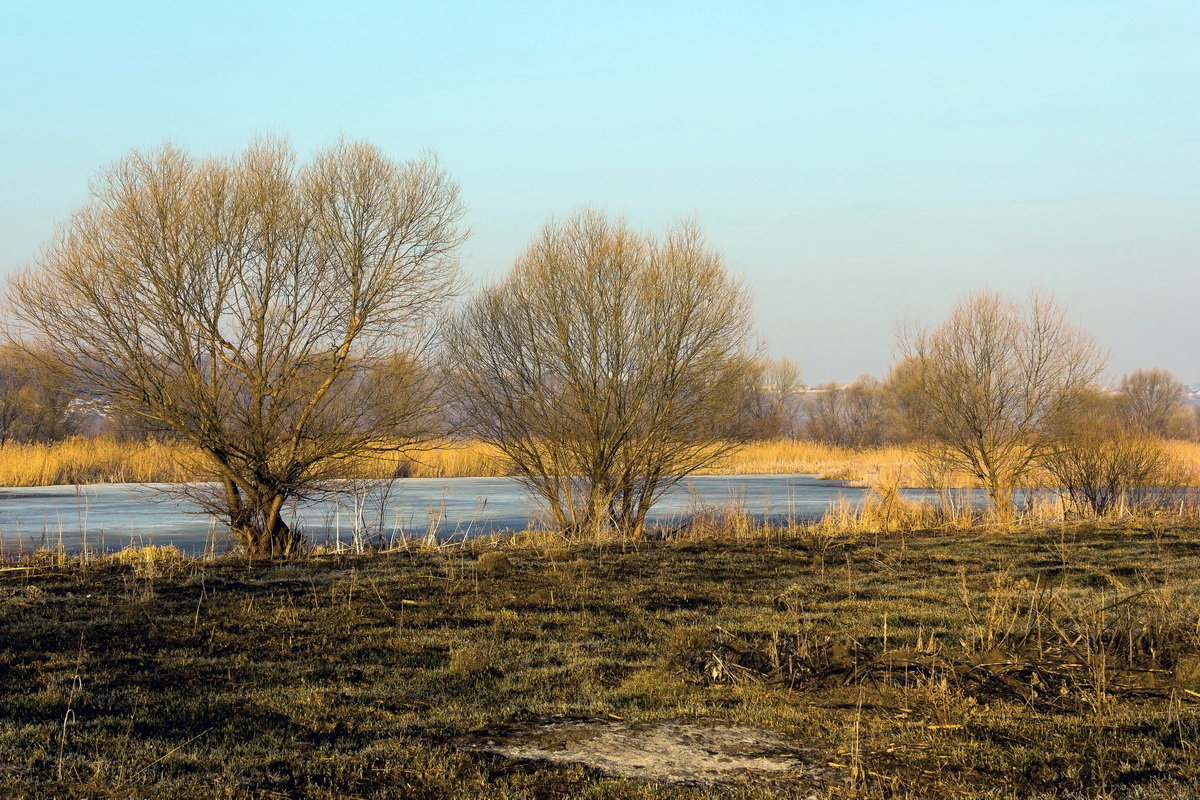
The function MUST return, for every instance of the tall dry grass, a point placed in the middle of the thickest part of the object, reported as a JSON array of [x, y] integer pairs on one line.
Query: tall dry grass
[[99, 460], [790, 456], [106, 460], [439, 460], [83, 460]]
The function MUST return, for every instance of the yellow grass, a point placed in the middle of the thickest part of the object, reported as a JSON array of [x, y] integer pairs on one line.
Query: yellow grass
[[789, 456], [1186, 456], [105, 460], [440, 460], [100, 460]]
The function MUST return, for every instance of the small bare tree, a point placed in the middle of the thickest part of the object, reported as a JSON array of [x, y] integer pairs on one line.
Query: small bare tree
[[272, 315], [35, 402], [981, 391], [1102, 464], [1151, 400], [606, 367], [772, 398]]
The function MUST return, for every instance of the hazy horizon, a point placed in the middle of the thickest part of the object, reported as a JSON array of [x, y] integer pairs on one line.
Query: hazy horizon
[[858, 164]]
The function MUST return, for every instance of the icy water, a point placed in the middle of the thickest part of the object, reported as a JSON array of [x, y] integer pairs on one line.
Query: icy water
[[111, 516]]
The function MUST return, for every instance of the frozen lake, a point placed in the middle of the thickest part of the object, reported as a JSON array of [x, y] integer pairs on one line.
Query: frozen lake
[[111, 516]]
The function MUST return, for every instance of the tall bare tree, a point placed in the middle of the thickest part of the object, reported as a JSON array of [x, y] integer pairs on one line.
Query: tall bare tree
[[607, 366], [272, 314], [981, 391]]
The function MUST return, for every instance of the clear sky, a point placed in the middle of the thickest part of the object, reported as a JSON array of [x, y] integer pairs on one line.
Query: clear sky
[[858, 163]]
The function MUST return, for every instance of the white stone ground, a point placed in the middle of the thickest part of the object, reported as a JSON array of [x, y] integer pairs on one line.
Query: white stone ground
[[660, 751]]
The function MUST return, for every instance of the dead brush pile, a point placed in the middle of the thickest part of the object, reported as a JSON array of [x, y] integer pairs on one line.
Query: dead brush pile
[[1051, 651]]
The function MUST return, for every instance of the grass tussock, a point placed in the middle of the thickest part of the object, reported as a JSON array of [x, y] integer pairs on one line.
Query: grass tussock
[[1052, 661]]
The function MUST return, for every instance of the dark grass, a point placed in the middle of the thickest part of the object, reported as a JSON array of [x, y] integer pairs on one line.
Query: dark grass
[[339, 677]]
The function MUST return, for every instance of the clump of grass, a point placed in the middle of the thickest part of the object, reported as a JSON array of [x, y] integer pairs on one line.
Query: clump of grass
[[493, 563], [472, 661], [148, 560]]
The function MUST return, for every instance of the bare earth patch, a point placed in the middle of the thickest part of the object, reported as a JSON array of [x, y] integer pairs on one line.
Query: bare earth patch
[[662, 751]]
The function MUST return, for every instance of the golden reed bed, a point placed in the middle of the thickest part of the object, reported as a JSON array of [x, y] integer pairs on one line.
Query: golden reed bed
[[104, 460]]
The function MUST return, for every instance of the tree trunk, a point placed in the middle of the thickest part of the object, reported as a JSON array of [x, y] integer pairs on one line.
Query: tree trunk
[[256, 522], [1001, 495]]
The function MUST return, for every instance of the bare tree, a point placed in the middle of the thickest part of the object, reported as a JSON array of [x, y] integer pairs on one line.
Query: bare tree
[[772, 398], [1152, 401], [1104, 465], [271, 314], [34, 401], [607, 366], [859, 414], [981, 391]]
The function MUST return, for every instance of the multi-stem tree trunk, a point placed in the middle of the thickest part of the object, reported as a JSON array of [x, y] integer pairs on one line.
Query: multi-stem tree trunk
[[256, 520]]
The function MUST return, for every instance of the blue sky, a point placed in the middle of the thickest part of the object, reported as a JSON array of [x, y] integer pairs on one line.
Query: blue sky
[[859, 164]]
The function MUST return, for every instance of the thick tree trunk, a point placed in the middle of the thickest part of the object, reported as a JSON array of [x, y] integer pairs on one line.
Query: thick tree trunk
[[1001, 496], [256, 521]]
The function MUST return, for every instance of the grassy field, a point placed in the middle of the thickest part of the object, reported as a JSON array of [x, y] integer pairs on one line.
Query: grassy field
[[1050, 662]]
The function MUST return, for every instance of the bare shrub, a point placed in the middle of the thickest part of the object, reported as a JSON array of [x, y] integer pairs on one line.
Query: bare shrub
[[1103, 465]]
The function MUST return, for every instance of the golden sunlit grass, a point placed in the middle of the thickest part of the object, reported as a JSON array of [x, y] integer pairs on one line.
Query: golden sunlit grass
[[791, 456], [107, 460], [99, 460]]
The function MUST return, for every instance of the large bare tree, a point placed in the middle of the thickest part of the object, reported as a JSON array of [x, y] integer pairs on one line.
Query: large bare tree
[[272, 314], [982, 391], [607, 366]]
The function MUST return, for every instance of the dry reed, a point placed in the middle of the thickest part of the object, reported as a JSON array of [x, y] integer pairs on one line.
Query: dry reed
[[106, 460]]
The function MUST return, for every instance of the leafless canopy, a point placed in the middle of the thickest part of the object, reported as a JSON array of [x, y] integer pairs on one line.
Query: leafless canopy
[[1152, 401], [982, 391], [272, 314], [606, 366], [34, 401], [859, 414]]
